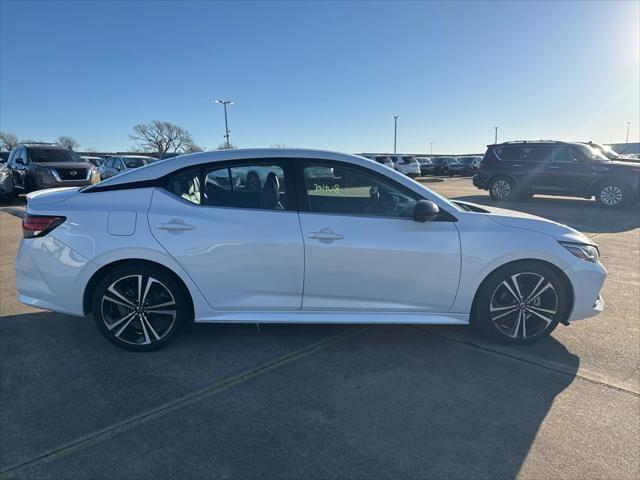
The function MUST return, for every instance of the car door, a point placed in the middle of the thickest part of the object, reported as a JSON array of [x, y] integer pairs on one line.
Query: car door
[[364, 251], [106, 169], [569, 170], [241, 246]]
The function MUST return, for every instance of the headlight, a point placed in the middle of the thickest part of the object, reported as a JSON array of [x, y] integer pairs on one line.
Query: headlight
[[588, 253]]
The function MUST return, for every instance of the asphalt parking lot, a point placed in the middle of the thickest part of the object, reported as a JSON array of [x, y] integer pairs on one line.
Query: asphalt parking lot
[[330, 401]]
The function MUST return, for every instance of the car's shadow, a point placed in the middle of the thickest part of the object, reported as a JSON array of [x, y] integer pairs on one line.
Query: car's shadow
[[581, 214], [386, 401]]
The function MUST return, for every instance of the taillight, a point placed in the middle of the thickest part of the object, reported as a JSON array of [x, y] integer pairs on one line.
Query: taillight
[[34, 226]]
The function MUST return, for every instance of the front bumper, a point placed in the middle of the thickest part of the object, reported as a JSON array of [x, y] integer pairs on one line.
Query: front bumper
[[587, 280], [480, 181], [40, 184]]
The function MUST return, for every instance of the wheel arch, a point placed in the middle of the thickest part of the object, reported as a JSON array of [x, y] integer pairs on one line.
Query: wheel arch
[[496, 176], [609, 178], [105, 269], [557, 270]]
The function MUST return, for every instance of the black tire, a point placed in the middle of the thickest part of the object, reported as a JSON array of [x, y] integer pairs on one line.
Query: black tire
[[129, 323], [612, 194], [502, 189], [505, 318], [253, 182]]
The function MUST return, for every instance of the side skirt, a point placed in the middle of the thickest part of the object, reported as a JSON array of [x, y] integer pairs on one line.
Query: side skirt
[[337, 317]]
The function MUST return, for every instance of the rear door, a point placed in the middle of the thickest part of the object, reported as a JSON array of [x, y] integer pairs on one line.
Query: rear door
[[363, 250], [242, 246]]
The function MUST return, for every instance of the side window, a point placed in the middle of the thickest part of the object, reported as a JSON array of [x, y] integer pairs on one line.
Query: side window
[[332, 188], [509, 154], [109, 163], [246, 186], [539, 154], [565, 154]]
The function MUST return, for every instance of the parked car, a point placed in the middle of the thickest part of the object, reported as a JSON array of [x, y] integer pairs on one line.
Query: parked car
[[116, 165], [441, 165], [426, 166], [464, 166], [149, 251], [35, 166], [385, 160], [95, 161], [4, 156], [6, 183], [521, 169], [406, 164]]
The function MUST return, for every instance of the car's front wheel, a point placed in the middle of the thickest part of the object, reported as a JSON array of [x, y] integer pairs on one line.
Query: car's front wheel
[[520, 303], [502, 188], [611, 194], [140, 308]]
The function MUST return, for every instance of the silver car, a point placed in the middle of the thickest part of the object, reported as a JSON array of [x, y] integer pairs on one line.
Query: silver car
[[116, 165]]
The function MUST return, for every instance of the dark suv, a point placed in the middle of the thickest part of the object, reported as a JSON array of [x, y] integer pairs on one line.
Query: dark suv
[[521, 169], [36, 166]]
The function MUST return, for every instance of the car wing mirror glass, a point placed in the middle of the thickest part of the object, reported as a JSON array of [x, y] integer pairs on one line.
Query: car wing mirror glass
[[425, 211]]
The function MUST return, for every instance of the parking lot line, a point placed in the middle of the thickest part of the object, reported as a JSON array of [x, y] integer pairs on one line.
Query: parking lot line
[[169, 407]]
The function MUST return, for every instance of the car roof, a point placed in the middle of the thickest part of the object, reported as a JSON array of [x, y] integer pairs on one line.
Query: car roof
[[164, 167]]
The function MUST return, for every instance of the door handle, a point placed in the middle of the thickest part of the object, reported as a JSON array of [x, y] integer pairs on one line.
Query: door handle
[[174, 226], [517, 166], [326, 235], [553, 166]]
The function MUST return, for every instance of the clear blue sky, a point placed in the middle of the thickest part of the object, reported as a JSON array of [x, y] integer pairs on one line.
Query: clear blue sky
[[325, 75]]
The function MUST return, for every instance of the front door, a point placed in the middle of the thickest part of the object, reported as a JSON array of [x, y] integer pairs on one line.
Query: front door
[[363, 250], [570, 171], [241, 244]]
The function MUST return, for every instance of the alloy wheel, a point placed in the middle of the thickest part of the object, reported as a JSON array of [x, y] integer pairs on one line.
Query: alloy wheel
[[524, 305], [611, 195], [138, 309], [501, 189]]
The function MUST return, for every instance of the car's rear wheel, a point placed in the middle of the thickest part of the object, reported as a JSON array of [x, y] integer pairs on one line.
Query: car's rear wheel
[[140, 308], [502, 188], [611, 194], [521, 303]]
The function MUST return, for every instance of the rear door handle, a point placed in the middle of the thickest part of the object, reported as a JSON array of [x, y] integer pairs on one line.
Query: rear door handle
[[325, 234], [517, 166], [553, 166], [174, 226]]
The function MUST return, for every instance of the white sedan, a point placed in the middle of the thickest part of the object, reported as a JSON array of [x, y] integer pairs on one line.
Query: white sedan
[[152, 249]]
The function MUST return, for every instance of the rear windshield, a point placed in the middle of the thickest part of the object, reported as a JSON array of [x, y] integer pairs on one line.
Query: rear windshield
[[132, 162], [44, 155]]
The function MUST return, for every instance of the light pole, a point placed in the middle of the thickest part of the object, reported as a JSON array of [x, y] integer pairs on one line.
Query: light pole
[[628, 123], [495, 139], [431, 148], [226, 123], [395, 132]]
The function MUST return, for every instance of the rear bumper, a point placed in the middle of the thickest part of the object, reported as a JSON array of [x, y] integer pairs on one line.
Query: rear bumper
[[47, 273]]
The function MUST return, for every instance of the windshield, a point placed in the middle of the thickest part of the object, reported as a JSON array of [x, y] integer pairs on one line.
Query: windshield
[[135, 162], [591, 153], [605, 150], [44, 155]]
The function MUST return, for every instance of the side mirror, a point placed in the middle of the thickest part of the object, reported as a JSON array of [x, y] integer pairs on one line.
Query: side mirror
[[20, 160], [425, 211], [119, 168]]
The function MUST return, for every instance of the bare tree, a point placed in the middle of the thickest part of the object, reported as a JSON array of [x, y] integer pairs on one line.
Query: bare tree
[[226, 146], [192, 148], [90, 150], [68, 142], [8, 140], [161, 137]]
